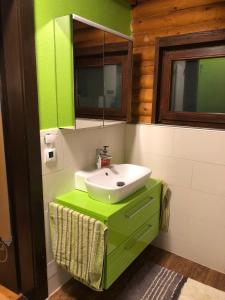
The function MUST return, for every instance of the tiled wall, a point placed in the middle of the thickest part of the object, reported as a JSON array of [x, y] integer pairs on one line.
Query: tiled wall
[[192, 162], [75, 151]]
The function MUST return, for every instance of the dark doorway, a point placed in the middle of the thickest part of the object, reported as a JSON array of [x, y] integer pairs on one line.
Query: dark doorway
[[25, 269]]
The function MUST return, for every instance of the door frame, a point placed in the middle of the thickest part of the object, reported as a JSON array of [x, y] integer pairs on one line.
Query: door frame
[[22, 145]]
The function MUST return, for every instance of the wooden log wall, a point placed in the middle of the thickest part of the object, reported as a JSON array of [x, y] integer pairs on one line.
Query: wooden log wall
[[158, 18]]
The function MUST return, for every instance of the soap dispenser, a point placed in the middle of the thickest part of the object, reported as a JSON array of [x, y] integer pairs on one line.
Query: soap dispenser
[[103, 159], [106, 158]]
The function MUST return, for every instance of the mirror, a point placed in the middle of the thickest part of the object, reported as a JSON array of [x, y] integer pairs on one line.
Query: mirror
[[117, 77], [88, 45], [101, 71]]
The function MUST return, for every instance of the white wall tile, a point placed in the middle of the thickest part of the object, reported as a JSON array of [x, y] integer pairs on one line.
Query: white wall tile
[[80, 146], [175, 171], [57, 183], [151, 139], [179, 225], [172, 170], [192, 162], [180, 199], [207, 208], [173, 244], [200, 145], [209, 178], [207, 244]]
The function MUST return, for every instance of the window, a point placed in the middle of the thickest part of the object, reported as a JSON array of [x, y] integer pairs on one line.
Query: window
[[190, 80]]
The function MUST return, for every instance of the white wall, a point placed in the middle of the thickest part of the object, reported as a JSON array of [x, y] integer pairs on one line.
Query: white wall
[[75, 151], [192, 162]]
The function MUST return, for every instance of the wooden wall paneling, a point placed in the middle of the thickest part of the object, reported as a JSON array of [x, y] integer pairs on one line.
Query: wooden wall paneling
[[143, 68], [144, 53], [143, 39], [142, 119], [159, 18], [144, 108], [159, 7], [143, 95], [143, 81], [180, 18]]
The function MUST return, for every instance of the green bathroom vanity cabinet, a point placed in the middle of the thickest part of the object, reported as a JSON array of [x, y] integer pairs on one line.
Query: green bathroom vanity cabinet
[[132, 224]]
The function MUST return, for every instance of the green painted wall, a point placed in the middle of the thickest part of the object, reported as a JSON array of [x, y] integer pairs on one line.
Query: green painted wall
[[115, 14], [211, 85]]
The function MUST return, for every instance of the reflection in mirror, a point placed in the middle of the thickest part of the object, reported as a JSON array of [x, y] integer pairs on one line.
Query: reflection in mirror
[[117, 72], [103, 64], [89, 74], [113, 86], [198, 85]]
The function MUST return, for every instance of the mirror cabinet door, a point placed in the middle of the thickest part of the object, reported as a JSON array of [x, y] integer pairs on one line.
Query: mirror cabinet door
[[117, 70], [89, 74], [93, 74]]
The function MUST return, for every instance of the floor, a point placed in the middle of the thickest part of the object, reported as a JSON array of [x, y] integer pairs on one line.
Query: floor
[[73, 290], [6, 294]]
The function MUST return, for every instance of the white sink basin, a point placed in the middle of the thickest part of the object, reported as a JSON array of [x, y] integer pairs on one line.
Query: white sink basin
[[115, 183]]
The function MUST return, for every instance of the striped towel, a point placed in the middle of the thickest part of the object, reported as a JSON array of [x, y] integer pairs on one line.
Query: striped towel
[[78, 244]]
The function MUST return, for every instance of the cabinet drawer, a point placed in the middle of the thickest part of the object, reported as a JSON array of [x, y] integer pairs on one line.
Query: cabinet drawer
[[122, 224], [122, 257]]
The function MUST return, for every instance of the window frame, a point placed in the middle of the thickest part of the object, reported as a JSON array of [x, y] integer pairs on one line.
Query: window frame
[[189, 46]]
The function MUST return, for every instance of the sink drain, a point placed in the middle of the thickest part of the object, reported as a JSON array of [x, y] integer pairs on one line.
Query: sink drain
[[120, 183]]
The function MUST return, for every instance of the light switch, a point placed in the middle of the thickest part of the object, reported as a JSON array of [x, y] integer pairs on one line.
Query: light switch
[[50, 155]]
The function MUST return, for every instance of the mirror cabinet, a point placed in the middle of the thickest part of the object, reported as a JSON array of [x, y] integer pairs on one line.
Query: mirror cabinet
[[101, 71]]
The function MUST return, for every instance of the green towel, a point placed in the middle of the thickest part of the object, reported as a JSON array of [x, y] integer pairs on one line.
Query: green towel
[[78, 244], [165, 207]]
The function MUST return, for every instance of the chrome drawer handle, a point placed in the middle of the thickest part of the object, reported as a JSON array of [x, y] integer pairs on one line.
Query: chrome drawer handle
[[134, 241], [130, 215]]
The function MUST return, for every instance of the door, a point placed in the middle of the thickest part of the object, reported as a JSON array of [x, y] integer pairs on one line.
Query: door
[[23, 267]]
